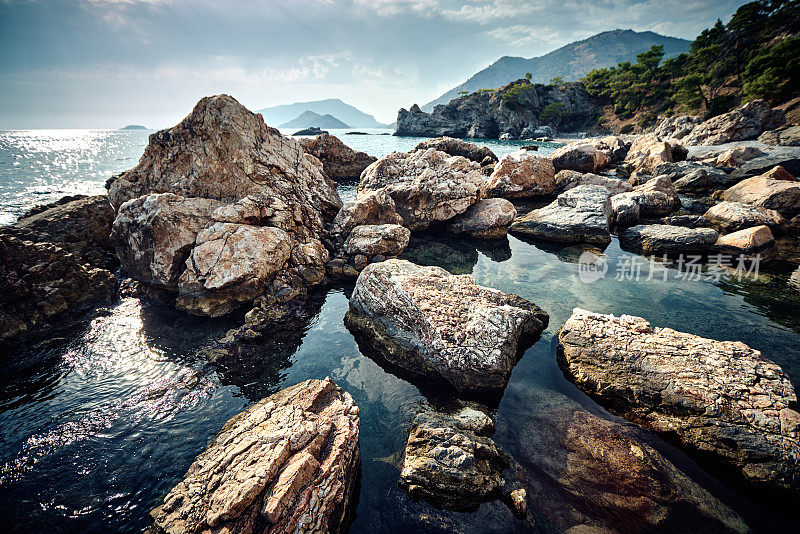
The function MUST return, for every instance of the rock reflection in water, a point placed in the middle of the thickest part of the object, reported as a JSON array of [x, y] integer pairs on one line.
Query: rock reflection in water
[[456, 255]]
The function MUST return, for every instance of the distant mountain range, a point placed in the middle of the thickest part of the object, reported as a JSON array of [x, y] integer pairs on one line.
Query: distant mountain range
[[333, 106], [134, 127], [307, 119], [572, 61]]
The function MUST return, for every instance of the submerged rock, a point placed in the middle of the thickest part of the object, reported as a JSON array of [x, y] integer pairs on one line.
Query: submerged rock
[[746, 122], [733, 216], [339, 161], [286, 464], [489, 218], [521, 175], [603, 476], [441, 328], [457, 147], [579, 215], [451, 461], [225, 175], [666, 239], [579, 156], [720, 399], [427, 186]]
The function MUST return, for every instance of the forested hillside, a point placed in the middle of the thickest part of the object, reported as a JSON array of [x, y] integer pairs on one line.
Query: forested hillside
[[755, 55]]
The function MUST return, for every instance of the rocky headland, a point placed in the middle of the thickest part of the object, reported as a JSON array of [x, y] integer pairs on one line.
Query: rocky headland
[[513, 111]]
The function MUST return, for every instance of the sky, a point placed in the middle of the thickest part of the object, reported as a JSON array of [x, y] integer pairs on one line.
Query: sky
[[108, 63]]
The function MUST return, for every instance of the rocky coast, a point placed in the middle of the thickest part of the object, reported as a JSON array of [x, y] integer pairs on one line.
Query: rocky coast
[[224, 216]]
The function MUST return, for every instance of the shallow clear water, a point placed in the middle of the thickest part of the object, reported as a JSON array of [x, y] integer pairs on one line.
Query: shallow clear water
[[96, 428]]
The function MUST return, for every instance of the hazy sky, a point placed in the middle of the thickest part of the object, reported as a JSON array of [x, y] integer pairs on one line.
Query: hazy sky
[[107, 63]]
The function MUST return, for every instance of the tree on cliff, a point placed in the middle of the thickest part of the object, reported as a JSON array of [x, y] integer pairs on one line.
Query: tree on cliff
[[756, 55]]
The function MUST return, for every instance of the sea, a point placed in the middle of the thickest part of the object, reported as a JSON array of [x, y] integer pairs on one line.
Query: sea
[[98, 425]]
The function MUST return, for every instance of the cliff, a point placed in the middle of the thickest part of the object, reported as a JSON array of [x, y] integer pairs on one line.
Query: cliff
[[519, 109]]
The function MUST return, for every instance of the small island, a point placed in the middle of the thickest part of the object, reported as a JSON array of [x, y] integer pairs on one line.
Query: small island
[[134, 127]]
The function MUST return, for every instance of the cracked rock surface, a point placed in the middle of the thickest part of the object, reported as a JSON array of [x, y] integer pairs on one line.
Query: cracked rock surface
[[450, 459], [434, 326], [720, 399], [286, 464]]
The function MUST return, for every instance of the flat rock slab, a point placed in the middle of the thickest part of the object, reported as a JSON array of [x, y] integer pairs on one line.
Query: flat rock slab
[[720, 399], [782, 196], [442, 329], [451, 461], [667, 239], [579, 215], [286, 464]]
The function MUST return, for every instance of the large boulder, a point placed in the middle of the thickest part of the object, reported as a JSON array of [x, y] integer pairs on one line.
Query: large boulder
[[451, 460], [427, 186], [656, 197], [225, 171], [230, 264], [780, 195], [45, 289], [747, 241], [521, 174], [746, 122], [489, 218], [80, 225], [222, 151], [785, 136], [648, 151], [579, 156], [579, 215], [154, 234], [666, 239], [720, 399], [373, 239], [372, 207], [288, 463], [440, 328], [457, 147], [625, 211], [339, 161], [568, 179], [733, 216]]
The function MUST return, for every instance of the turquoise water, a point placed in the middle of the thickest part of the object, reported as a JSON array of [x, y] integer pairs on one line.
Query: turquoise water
[[96, 428]]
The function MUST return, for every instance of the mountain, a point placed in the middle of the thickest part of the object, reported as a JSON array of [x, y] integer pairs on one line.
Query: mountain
[[134, 127], [332, 106], [308, 119], [572, 61]]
